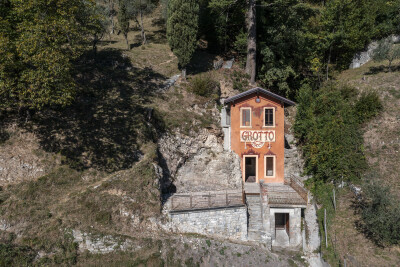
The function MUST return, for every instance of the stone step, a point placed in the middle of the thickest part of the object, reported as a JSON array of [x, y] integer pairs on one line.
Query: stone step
[[255, 222]]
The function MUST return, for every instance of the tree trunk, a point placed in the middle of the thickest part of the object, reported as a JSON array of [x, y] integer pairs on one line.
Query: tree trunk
[[184, 74], [127, 42], [112, 15], [251, 41], [329, 62], [142, 27], [95, 40]]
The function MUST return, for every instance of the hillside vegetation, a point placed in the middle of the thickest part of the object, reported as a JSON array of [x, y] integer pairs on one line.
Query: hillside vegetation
[[364, 231], [84, 104], [92, 168]]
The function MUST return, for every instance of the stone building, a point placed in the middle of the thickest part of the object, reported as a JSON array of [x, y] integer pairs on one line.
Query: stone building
[[254, 127], [269, 205]]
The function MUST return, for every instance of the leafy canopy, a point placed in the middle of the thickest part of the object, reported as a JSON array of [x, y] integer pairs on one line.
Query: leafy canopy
[[39, 42]]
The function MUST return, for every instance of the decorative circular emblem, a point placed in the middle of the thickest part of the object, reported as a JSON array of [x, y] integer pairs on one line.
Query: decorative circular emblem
[[257, 144]]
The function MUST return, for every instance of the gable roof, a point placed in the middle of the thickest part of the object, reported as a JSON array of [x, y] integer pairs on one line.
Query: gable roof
[[260, 91]]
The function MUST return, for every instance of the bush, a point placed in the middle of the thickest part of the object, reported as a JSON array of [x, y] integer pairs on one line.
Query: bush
[[12, 255], [328, 127], [240, 81], [368, 106], [204, 85], [381, 215]]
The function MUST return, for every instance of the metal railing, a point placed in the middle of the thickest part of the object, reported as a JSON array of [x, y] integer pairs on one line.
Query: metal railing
[[206, 200], [298, 186]]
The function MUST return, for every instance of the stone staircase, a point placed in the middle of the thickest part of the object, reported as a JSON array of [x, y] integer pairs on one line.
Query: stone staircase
[[255, 221]]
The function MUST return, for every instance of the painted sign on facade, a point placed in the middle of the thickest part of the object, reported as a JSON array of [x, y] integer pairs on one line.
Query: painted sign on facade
[[257, 136]]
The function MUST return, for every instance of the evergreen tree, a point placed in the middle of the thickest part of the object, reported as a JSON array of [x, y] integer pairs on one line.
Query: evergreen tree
[[182, 27]]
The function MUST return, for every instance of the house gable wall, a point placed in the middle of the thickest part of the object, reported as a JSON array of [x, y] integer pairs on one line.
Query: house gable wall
[[257, 123]]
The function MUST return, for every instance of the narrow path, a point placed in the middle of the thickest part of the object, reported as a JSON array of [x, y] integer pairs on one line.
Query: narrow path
[[313, 241]]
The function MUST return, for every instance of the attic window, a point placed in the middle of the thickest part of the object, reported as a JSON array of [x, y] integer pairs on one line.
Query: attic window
[[269, 117], [245, 117]]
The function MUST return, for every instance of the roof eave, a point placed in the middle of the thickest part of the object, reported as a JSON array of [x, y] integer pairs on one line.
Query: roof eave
[[259, 90]]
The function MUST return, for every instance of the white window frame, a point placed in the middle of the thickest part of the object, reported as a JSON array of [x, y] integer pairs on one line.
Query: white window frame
[[241, 119], [265, 166], [244, 166], [273, 112]]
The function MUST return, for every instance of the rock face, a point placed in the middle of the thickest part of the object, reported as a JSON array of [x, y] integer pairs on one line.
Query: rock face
[[365, 56], [294, 162], [101, 244], [199, 163], [21, 159]]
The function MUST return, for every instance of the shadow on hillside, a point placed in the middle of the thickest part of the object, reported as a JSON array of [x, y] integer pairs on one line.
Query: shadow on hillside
[[382, 68], [108, 121], [357, 205], [4, 135], [201, 62]]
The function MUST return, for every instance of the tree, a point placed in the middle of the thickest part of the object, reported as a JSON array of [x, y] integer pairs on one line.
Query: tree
[[107, 8], [182, 27], [123, 20], [386, 50], [221, 21], [40, 40]]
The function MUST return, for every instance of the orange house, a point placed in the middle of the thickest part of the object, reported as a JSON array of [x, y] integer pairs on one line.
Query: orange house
[[253, 123]]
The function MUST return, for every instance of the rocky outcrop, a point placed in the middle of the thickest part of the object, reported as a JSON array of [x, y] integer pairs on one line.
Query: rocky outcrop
[[365, 56], [294, 162], [21, 158], [199, 163], [102, 244]]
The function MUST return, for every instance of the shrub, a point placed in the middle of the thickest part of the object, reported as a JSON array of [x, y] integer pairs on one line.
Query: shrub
[[204, 85], [240, 81], [328, 127], [367, 106], [12, 255], [381, 215]]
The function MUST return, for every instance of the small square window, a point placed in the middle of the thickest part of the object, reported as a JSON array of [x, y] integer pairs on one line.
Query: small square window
[[269, 117], [246, 117]]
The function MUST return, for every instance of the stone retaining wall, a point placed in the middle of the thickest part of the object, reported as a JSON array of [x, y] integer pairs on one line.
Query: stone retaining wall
[[229, 222]]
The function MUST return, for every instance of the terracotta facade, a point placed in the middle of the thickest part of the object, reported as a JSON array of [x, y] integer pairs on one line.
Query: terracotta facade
[[269, 147]]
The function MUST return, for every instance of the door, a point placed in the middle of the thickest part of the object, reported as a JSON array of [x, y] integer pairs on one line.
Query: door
[[282, 222], [250, 169], [287, 223]]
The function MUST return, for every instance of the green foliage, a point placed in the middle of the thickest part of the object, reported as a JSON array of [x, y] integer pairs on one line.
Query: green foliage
[[368, 106], [204, 85], [240, 81], [303, 40], [12, 255], [223, 23], [284, 44], [381, 214], [386, 50], [123, 19], [39, 42], [328, 126], [182, 27]]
